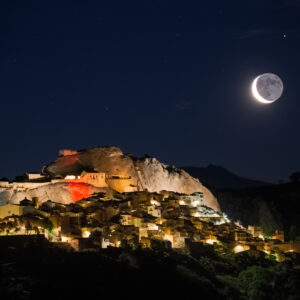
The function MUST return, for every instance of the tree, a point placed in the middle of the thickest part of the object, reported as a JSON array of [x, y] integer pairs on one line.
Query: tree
[[256, 282], [295, 177]]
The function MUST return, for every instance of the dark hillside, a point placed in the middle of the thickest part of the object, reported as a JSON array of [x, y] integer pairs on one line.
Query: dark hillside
[[272, 207]]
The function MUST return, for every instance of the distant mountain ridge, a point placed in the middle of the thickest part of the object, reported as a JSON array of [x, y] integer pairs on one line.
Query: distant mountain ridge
[[218, 177]]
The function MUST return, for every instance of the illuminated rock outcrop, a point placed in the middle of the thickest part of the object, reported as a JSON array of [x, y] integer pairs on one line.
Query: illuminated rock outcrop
[[155, 176], [122, 173]]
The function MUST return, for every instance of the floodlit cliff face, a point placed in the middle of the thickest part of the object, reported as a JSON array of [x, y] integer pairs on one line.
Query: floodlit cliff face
[[145, 173], [155, 176], [123, 173]]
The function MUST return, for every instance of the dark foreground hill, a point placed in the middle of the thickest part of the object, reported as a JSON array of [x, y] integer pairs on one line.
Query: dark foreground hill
[[272, 207], [218, 177], [37, 271]]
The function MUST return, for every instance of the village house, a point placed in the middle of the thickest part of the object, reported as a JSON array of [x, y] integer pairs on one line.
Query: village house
[[255, 231], [147, 219], [240, 235], [279, 235]]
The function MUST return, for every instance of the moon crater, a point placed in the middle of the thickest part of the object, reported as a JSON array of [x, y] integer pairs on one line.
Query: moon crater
[[267, 88]]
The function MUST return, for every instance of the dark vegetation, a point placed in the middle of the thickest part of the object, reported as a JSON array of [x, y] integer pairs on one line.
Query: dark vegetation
[[295, 177], [37, 270]]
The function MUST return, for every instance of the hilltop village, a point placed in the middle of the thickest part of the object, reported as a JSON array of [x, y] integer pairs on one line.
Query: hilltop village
[[99, 198], [140, 219]]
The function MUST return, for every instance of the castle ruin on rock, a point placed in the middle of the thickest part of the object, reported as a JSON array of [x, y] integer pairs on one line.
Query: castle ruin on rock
[[75, 175]]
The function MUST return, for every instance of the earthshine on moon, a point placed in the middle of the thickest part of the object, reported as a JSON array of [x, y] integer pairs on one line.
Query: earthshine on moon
[[267, 88]]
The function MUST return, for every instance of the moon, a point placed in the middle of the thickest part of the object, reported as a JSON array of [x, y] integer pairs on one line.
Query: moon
[[267, 88]]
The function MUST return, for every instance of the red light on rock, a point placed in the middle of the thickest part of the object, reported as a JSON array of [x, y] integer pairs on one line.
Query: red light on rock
[[79, 191]]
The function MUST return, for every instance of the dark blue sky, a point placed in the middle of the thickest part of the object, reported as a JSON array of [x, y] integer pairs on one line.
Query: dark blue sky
[[167, 78]]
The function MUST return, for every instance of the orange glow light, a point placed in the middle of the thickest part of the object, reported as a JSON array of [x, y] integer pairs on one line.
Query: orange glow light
[[79, 191]]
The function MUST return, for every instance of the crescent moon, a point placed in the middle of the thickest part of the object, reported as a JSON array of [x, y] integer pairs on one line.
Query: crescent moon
[[256, 93]]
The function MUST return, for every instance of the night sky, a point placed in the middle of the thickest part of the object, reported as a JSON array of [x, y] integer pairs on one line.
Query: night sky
[[168, 78]]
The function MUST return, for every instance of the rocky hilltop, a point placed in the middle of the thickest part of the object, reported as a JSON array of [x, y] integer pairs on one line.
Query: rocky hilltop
[[123, 173], [142, 173]]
